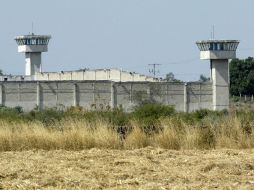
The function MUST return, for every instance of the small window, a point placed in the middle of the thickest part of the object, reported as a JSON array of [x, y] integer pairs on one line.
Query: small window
[[210, 48], [216, 46]]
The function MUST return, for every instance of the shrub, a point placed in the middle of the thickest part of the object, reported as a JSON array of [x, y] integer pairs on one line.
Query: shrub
[[11, 114], [148, 115], [47, 116]]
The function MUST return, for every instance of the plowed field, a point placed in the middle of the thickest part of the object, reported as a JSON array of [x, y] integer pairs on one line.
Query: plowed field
[[147, 168]]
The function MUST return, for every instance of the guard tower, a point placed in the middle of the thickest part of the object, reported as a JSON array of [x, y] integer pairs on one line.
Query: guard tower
[[219, 52], [33, 45]]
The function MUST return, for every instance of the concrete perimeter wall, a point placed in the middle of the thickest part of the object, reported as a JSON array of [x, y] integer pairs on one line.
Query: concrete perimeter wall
[[104, 94]]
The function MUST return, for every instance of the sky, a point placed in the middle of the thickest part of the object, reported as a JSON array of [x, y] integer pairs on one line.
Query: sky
[[124, 34]]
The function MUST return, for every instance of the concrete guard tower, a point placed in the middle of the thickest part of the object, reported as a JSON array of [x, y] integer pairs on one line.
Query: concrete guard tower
[[33, 45], [219, 52]]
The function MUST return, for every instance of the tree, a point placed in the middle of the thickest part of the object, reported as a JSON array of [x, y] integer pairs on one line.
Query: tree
[[170, 77], [242, 76], [203, 78]]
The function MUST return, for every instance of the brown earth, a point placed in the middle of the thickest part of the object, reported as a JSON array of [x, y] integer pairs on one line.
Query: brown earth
[[147, 168]]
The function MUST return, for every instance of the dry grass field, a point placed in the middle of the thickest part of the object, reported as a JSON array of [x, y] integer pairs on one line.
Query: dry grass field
[[201, 150], [146, 168]]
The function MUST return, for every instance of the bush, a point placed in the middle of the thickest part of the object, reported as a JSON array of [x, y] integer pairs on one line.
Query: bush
[[148, 115], [11, 114], [47, 116]]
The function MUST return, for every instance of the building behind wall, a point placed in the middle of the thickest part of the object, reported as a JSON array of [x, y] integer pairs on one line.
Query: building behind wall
[[116, 75]]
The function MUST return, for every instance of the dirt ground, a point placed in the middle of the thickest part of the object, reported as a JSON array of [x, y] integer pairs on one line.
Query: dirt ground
[[147, 168]]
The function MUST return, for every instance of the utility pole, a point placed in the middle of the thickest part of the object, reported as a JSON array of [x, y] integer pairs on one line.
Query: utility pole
[[213, 33], [153, 70]]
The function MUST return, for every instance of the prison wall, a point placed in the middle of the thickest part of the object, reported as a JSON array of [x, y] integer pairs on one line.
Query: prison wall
[[104, 95]]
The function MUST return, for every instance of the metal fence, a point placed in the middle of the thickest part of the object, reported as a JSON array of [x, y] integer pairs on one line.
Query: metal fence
[[243, 98]]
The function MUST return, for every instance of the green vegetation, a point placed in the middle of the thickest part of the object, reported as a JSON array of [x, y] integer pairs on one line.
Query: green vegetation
[[148, 125], [170, 77], [203, 78], [242, 77], [147, 116]]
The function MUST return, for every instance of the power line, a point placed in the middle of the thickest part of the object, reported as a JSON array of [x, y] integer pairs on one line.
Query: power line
[[153, 70], [184, 61], [245, 49]]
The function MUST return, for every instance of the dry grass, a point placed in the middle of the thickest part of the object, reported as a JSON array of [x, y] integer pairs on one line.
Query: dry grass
[[231, 135], [69, 135], [76, 154], [79, 135], [147, 168], [169, 138]]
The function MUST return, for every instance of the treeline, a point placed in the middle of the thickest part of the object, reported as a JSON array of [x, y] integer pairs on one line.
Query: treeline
[[242, 76]]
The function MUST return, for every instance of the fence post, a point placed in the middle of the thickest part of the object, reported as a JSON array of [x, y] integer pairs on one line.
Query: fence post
[[19, 93], [167, 94], [148, 92], [131, 93], [56, 94], [200, 94], [38, 94], [113, 96], [75, 99], [252, 98], [1, 94], [185, 97], [94, 93]]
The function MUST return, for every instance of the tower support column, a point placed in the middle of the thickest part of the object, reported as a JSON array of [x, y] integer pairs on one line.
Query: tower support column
[[220, 80], [33, 63]]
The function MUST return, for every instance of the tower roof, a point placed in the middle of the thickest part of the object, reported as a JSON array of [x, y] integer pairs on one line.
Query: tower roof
[[218, 41], [218, 45], [32, 39], [33, 36]]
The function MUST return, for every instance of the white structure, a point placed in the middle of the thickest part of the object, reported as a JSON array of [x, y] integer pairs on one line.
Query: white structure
[[219, 52], [32, 46], [115, 75]]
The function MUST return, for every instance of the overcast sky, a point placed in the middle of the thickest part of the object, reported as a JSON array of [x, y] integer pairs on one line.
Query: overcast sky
[[127, 34]]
